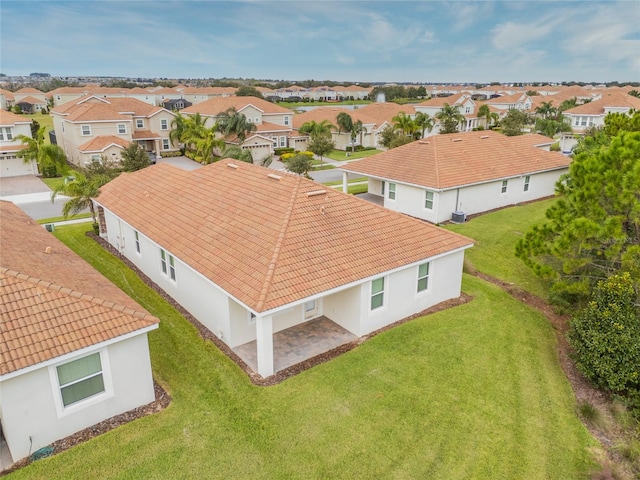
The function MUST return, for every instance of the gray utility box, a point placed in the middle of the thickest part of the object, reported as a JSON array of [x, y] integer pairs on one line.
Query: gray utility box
[[458, 217]]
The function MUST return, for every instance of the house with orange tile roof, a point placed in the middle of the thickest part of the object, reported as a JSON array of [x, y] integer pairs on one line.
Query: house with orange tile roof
[[6, 99], [445, 177], [91, 122], [31, 104], [592, 114], [74, 346], [11, 165], [25, 92], [520, 101], [462, 101], [290, 255], [274, 124]]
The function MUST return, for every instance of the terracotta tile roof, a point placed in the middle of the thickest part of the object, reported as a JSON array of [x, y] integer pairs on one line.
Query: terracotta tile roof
[[506, 99], [106, 108], [12, 148], [608, 100], [101, 143], [269, 238], [144, 135], [95, 112], [380, 112], [319, 114], [53, 303], [32, 100], [440, 101], [29, 90], [448, 161], [215, 106], [10, 118], [272, 127], [533, 139]]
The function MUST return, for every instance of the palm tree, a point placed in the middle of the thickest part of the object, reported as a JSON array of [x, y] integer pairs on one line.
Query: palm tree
[[82, 190], [238, 153], [231, 122], [45, 155], [485, 112], [567, 104], [404, 123], [450, 117], [315, 129], [346, 124], [424, 122], [207, 144], [177, 129], [357, 130], [193, 130], [546, 109]]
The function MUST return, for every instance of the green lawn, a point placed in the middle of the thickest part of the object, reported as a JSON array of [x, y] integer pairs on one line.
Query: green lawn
[[324, 104], [351, 180], [475, 391], [342, 156], [495, 236], [45, 120]]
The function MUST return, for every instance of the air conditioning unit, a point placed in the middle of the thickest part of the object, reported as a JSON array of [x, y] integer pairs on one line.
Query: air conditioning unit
[[50, 227], [458, 217]]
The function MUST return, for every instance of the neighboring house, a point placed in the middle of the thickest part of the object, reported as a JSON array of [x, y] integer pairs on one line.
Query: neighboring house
[[195, 95], [519, 101], [274, 124], [592, 114], [12, 125], [176, 104], [465, 173], [6, 99], [80, 125], [23, 93], [462, 101], [74, 346], [31, 105], [250, 252]]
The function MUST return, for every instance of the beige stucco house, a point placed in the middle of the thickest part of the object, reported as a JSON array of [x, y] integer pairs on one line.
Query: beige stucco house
[[11, 165]]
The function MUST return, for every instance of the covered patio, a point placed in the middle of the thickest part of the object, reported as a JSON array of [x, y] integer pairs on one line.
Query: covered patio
[[298, 343]]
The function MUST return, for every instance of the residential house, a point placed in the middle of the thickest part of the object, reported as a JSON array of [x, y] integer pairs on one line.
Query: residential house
[[462, 101], [592, 114], [519, 101], [6, 99], [202, 94], [23, 93], [79, 124], [31, 105], [252, 253], [12, 125], [176, 104], [74, 346], [274, 124], [450, 176]]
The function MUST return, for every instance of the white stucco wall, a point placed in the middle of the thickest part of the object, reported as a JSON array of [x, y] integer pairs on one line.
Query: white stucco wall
[[28, 402]]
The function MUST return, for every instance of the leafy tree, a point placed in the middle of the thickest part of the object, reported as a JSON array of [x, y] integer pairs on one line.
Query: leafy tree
[[300, 164], [617, 122], [106, 168], [191, 129], [134, 158], [248, 91], [346, 124], [450, 118], [593, 231], [606, 336], [485, 112], [17, 109], [513, 122], [635, 93], [568, 104], [423, 122], [207, 144], [321, 145], [47, 156], [551, 126], [399, 140], [237, 153], [35, 126], [231, 122], [177, 129]]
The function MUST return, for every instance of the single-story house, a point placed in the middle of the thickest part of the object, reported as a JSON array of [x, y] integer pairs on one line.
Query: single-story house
[[251, 252], [446, 177], [74, 346]]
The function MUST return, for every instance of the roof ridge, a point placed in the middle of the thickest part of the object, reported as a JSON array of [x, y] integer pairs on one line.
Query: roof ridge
[[74, 293], [276, 251]]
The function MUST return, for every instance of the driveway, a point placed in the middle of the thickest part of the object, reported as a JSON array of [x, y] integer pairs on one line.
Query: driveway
[[21, 185], [32, 196]]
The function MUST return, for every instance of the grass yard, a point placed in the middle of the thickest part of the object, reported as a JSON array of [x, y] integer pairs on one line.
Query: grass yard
[[475, 391], [495, 236], [45, 120], [341, 155]]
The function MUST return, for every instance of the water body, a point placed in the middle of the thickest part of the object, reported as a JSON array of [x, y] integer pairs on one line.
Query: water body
[[310, 107]]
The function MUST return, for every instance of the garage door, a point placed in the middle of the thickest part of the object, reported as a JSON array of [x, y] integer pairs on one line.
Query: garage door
[[12, 166]]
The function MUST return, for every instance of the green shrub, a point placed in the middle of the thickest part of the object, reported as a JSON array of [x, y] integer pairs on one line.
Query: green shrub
[[555, 147], [280, 151], [49, 171]]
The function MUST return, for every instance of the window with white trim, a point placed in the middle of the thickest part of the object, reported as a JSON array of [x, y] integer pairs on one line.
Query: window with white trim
[[6, 133], [377, 293], [503, 189], [423, 277], [137, 237], [86, 130], [80, 379], [283, 141], [165, 144], [526, 183], [286, 120], [392, 191], [428, 200], [122, 128], [139, 123], [164, 124], [167, 262], [96, 158]]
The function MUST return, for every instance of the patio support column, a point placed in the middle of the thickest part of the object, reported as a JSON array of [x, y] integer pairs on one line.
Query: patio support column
[[156, 144], [264, 337], [345, 182]]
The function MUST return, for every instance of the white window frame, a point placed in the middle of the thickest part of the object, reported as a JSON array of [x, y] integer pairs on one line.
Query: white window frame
[[86, 133], [428, 200], [424, 277], [392, 191], [165, 144], [164, 124], [375, 294], [505, 184], [527, 181], [139, 122], [122, 129], [283, 142], [136, 235], [167, 264], [6, 134], [96, 158], [286, 119], [85, 402]]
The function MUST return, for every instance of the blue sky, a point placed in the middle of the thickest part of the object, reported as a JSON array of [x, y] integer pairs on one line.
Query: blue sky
[[417, 41]]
